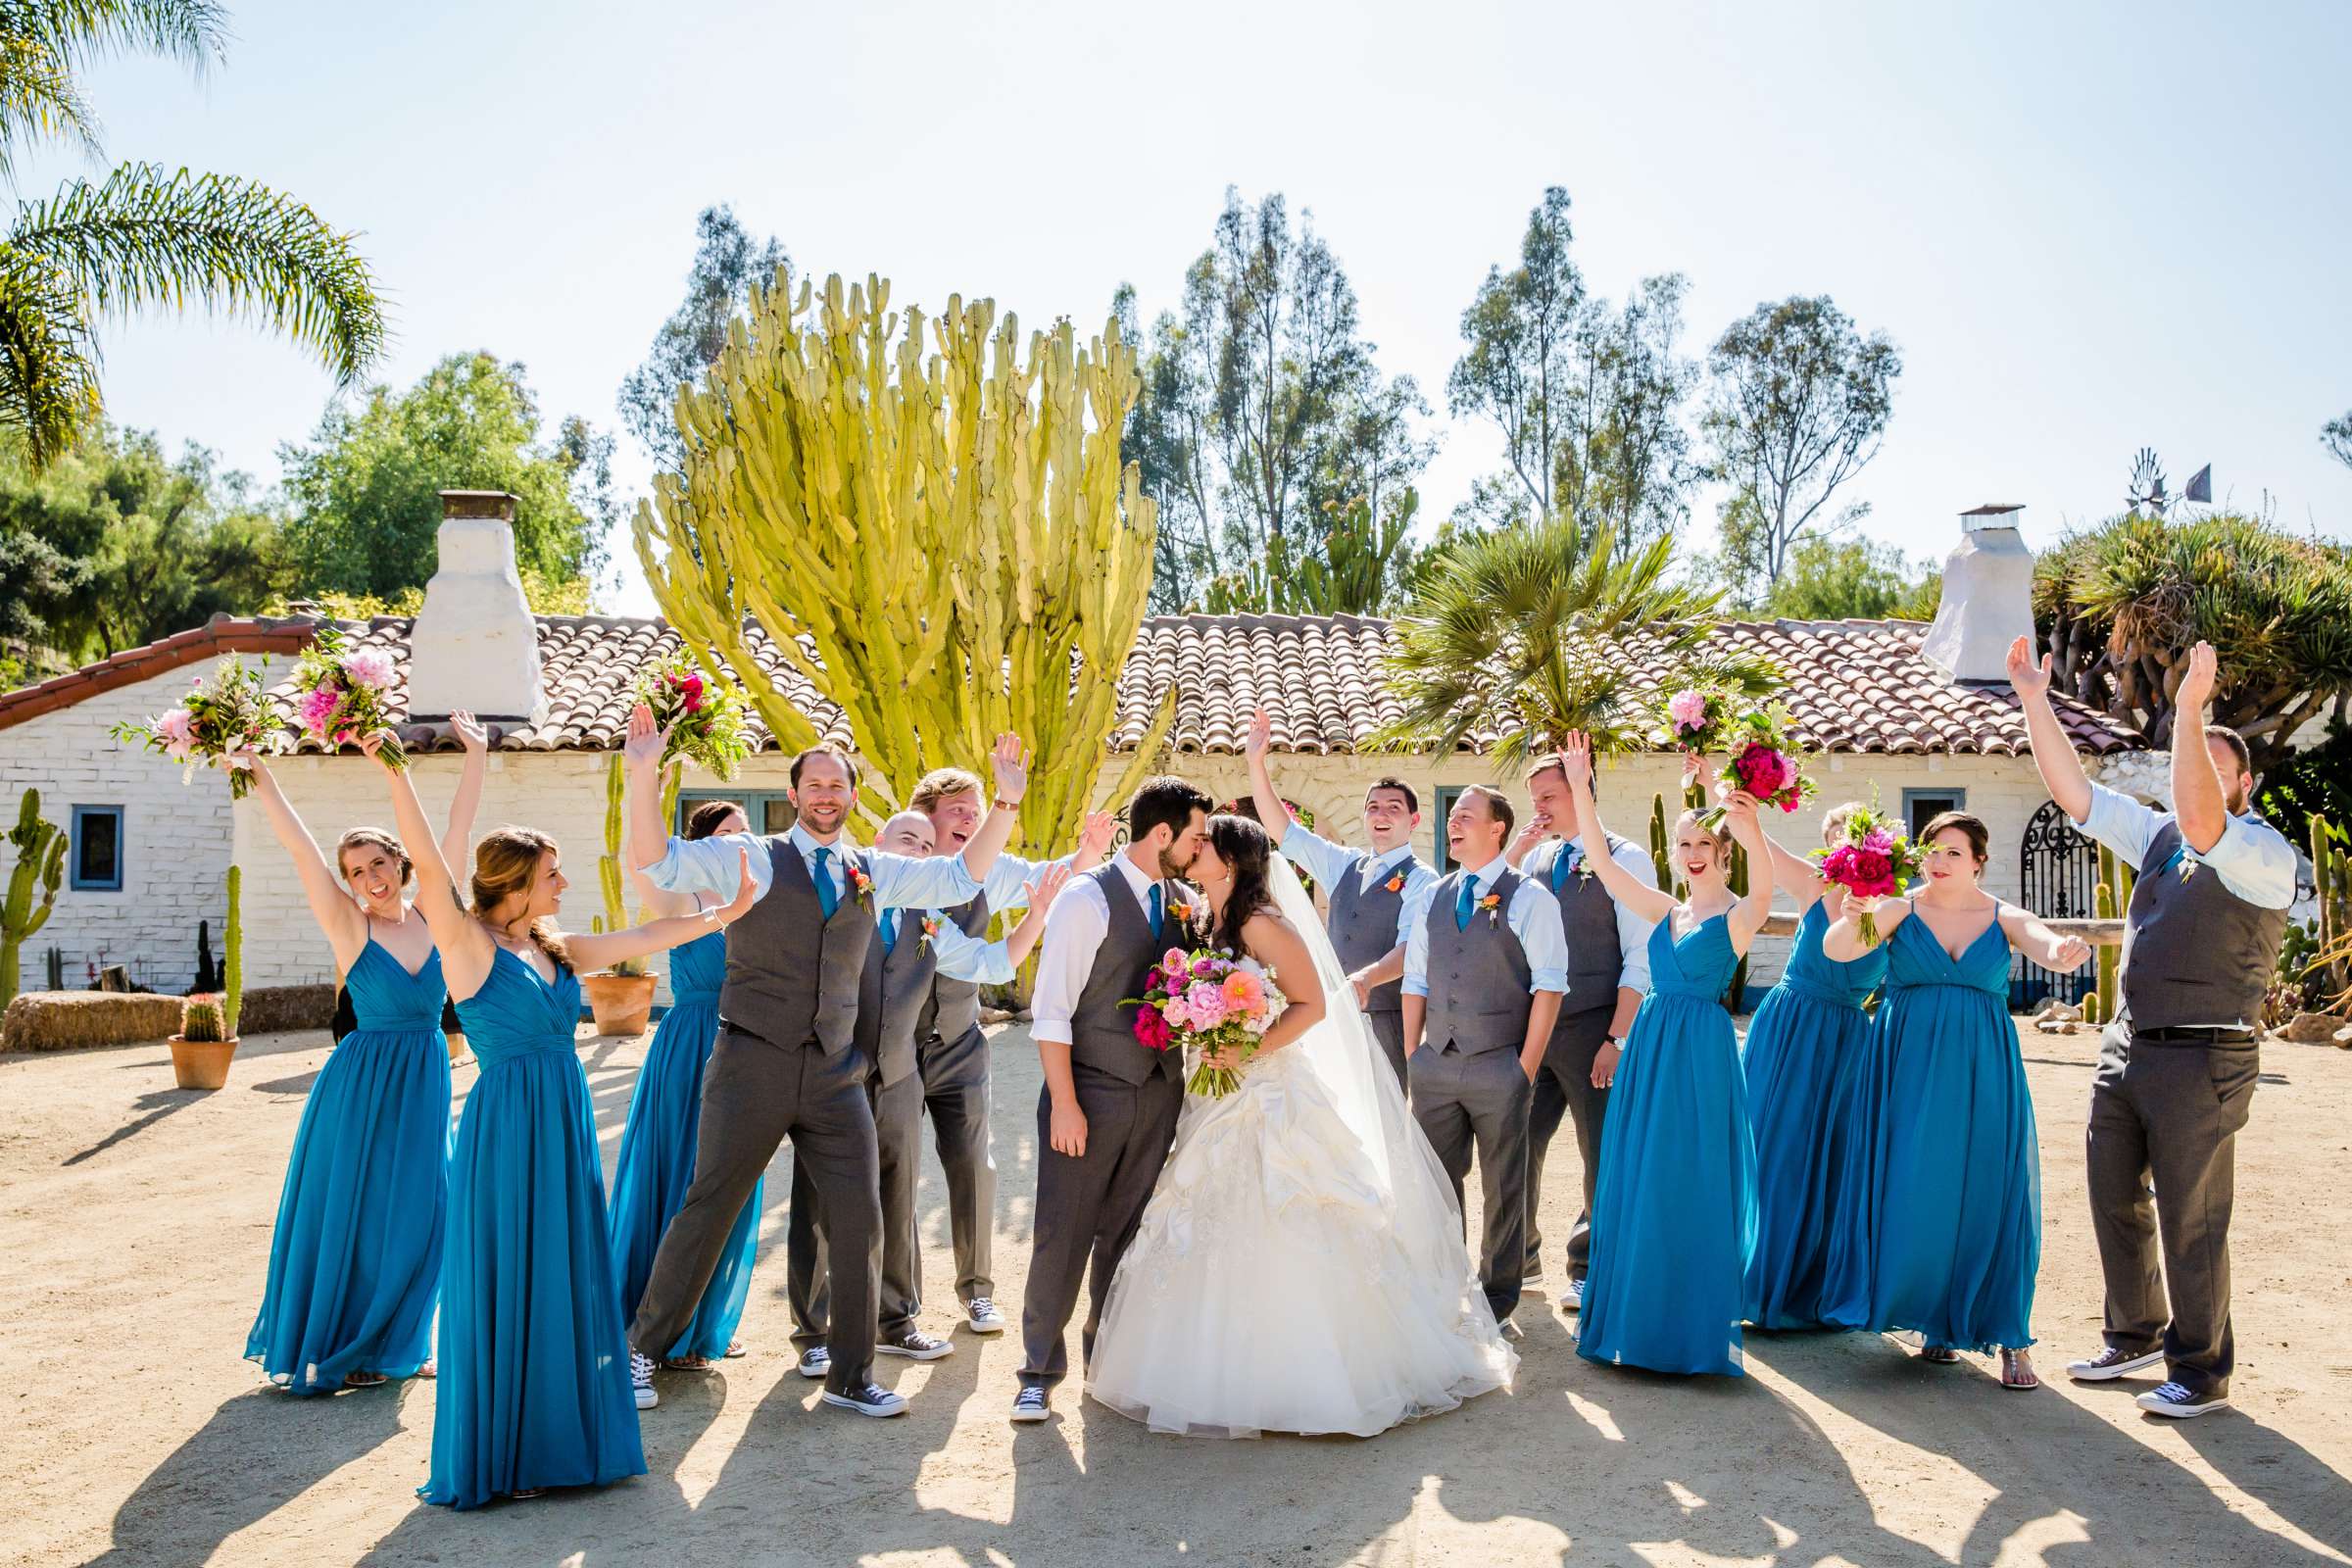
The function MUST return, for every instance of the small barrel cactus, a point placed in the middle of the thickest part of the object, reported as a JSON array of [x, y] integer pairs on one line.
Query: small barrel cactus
[[201, 1018]]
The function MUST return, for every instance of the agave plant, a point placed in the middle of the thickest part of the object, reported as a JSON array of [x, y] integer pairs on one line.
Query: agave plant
[[1521, 635], [145, 235]]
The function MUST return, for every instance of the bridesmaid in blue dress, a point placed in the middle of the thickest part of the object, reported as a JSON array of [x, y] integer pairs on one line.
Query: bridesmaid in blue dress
[[355, 1257], [1805, 1059], [534, 1389], [665, 1113], [1955, 1168], [1674, 1208]]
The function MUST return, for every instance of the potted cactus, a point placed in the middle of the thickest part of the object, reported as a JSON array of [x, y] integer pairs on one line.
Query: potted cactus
[[201, 1051], [620, 998]]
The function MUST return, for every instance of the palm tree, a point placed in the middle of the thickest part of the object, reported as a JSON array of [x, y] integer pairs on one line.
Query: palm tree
[[144, 235], [1518, 636]]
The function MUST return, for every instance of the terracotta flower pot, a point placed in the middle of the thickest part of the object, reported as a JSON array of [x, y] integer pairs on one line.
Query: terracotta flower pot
[[201, 1063], [620, 1002]]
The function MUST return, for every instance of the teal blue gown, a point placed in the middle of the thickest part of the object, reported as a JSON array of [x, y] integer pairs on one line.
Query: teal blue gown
[[354, 1258], [656, 1154], [1807, 1062], [534, 1387], [1956, 1171], [1674, 1207]]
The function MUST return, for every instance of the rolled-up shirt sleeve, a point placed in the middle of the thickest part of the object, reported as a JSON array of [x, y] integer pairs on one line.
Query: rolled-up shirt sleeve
[[1412, 898], [1633, 932], [966, 957], [2125, 826], [1323, 860], [1065, 953], [1536, 920], [920, 882], [711, 865], [2255, 861], [1415, 921]]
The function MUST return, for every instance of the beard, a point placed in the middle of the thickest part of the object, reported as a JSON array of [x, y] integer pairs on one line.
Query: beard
[[1170, 868]]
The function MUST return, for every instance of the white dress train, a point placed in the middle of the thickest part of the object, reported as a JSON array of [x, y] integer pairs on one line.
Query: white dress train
[[1301, 1265]]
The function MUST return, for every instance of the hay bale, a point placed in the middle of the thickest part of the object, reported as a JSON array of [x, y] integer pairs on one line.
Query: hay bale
[[72, 1021], [270, 1009]]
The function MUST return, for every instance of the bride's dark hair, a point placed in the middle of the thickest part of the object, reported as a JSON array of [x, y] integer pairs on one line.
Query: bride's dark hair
[[1242, 844]]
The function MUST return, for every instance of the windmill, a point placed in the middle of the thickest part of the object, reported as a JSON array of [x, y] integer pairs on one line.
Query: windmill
[[2147, 492]]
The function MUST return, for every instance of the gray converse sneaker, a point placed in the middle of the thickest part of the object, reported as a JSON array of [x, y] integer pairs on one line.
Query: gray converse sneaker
[[641, 1381], [2176, 1402], [872, 1399], [816, 1361], [2111, 1363], [1030, 1405], [915, 1344], [981, 1316]]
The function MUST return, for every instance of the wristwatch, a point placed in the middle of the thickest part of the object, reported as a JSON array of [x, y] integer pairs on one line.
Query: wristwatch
[[1614, 1040], [1005, 806]]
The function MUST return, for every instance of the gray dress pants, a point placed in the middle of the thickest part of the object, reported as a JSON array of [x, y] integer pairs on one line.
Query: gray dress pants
[[1466, 1102]]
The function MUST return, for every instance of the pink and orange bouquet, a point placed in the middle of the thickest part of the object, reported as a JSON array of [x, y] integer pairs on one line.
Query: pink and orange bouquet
[[341, 694], [1763, 762], [1876, 861], [1206, 1002], [1699, 718], [212, 726], [703, 718]]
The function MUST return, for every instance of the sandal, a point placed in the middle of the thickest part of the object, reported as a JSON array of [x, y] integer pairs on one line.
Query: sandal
[[735, 1350], [364, 1380], [2017, 1373], [687, 1363], [526, 1494], [429, 1368], [1938, 1354]]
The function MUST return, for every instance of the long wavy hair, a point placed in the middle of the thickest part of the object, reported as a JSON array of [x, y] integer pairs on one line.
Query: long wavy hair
[[505, 865], [1248, 853]]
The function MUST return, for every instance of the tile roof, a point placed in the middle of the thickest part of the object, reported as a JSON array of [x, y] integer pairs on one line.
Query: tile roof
[[1853, 685]]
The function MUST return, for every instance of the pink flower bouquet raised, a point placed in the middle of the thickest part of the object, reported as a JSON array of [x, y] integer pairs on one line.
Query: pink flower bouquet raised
[[342, 694], [1763, 762], [1876, 860], [1698, 718], [1206, 1002], [212, 725], [703, 718]]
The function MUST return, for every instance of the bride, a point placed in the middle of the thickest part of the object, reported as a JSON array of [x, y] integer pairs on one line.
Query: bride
[[1301, 1265]]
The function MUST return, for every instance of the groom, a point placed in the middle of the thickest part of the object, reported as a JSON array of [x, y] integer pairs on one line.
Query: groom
[[787, 1062], [1107, 1112]]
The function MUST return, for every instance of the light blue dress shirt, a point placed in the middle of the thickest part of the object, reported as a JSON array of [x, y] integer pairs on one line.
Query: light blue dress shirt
[[961, 956], [1535, 918], [2252, 859], [1633, 932], [1327, 863], [900, 881]]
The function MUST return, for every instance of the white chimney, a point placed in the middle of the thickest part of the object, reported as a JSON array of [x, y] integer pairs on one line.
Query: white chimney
[[1988, 597], [475, 644]]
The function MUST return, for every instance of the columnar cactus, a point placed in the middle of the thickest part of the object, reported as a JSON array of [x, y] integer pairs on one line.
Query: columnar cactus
[[232, 953], [1661, 848], [608, 865], [40, 859], [2332, 877]]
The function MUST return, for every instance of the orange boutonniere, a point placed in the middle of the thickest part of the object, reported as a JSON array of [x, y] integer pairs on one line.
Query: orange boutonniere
[[1394, 884], [1181, 914], [930, 930], [1492, 905], [862, 886]]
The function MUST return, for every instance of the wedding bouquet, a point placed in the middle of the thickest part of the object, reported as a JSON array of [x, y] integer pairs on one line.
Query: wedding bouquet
[[1763, 762], [342, 694], [1697, 718], [1206, 1000], [211, 726], [703, 717], [1876, 860]]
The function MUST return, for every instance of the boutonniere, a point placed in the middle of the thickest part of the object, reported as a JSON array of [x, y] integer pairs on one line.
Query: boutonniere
[[1575, 862], [1492, 905], [930, 930], [1181, 914], [862, 886], [2188, 866], [1394, 884]]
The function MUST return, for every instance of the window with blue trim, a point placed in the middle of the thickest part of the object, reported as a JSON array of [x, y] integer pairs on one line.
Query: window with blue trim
[[1921, 806], [94, 857], [1442, 854], [770, 811]]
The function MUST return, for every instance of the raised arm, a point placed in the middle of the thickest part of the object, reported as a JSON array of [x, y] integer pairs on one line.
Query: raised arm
[[2199, 803], [2053, 754], [1576, 762], [337, 912], [641, 773], [1009, 763], [1022, 938], [456, 839], [1794, 874], [1272, 813], [657, 901], [1748, 914], [1844, 942], [467, 951], [2031, 936], [596, 952]]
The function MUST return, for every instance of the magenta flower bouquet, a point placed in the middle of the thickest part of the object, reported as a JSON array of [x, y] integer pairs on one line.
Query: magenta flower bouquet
[[1763, 762], [1876, 860], [342, 694], [1205, 1002], [212, 726], [703, 718]]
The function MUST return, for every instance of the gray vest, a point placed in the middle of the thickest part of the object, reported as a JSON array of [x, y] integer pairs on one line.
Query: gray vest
[[2195, 953], [1363, 926], [1589, 918], [954, 1009], [892, 989], [792, 974], [1102, 1032], [1478, 976]]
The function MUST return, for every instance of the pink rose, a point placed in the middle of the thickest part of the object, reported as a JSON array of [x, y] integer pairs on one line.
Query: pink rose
[[371, 667]]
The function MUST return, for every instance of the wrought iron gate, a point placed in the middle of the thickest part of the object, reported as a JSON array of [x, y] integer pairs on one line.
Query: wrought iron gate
[[2059, 876]]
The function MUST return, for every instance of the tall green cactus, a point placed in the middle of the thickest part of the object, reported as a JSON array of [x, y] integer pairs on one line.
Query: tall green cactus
[[1661, 849], [2332, 877], [2107, 902], [608, 865], [40, 859], [232, 953]]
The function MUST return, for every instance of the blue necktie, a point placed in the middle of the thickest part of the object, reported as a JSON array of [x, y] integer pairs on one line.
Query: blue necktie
[[828, 898], [1560, 869], [890, 929], [1464, 904], [1152, 909]]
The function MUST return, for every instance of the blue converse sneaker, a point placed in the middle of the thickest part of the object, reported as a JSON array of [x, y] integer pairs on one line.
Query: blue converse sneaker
[[2176, 1402]]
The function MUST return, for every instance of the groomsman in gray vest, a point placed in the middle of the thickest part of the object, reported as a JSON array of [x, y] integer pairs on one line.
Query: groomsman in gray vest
[[950, 1052], [1608, 974], [2178, 1065], [1369, 890], [1107, 1112], [1486, 966], [787, 1061], [915, 949]]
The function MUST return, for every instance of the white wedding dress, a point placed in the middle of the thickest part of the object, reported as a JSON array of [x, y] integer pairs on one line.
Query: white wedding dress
[[1301, 1264]]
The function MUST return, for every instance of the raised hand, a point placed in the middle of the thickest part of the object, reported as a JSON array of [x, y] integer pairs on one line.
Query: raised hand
[[2029, 678], [1094, 837], [1693, 761], [746, 894], [1537, 830], [1009, 761], [1260, 736], [372, 743], [644, 745], [471, 732], [1047, 887], [1576, 757], [2197, 680]]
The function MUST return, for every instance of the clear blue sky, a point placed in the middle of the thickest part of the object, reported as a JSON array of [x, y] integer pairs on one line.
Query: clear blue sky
[[2089, 226]]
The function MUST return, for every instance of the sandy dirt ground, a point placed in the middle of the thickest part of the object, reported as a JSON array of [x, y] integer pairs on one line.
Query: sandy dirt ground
[[134, 1224]]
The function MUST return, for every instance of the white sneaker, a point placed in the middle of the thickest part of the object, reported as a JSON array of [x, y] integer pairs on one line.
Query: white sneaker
[[1572, 1297], [872, 1399], [816, 1361], [981, 1316], [1030, 1405], [2179, 1403], [641, 1381], [2111, 1363]]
